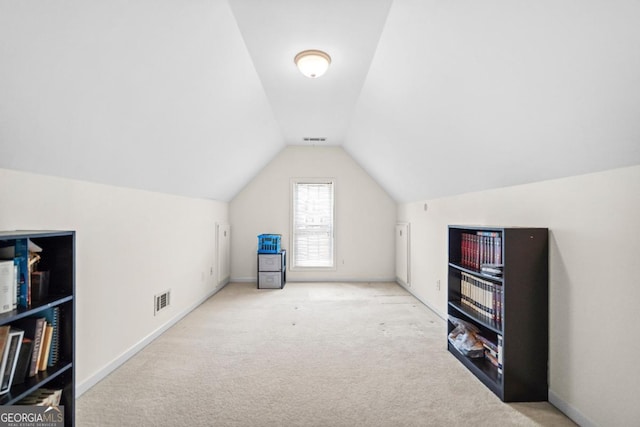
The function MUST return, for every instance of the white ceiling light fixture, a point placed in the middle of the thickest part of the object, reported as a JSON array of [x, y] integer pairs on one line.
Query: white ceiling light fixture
[[312, 63]]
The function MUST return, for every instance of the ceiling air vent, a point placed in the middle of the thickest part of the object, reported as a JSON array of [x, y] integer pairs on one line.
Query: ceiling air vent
[[314, 139], [161, 301]]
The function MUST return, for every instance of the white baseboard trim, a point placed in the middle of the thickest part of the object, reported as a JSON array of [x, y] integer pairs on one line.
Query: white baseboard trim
[[401, 282], [254, 279], [243, 279], [82, 387], [427, 304], [570, 411], [341, 280]]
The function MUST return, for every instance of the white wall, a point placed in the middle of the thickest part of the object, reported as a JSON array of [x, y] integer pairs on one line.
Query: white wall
[[364, 220], [131, 244], [594, 229]]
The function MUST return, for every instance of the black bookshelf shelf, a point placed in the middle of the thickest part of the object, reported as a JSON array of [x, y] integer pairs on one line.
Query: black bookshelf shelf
[[511, 311], [19, 313], [466, 313], [30, 385], [482, 369], [458, 267], [58, 258]]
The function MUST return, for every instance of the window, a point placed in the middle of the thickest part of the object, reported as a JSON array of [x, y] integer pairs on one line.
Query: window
[[312, 223]]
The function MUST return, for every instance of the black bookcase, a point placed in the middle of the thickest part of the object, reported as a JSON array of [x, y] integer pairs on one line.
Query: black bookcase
[[520, 314], [57, 257]]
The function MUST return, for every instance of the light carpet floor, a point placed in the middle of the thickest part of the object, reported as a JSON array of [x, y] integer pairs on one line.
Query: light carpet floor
[[311, 354]]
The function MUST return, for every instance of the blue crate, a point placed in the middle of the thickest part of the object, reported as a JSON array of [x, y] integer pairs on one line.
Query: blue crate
[[269, 244]]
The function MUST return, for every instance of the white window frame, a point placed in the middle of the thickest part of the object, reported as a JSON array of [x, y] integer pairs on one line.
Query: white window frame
[[292, 256]]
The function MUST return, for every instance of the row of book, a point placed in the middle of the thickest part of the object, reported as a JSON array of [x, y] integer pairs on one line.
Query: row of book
[[492, 351], [42, 397], [28, 346], [469, 341], [20, 283], [483, 247], [482, 297], [492, 269]]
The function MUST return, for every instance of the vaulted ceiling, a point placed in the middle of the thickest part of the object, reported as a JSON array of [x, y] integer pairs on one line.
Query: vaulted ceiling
[[431, 97]]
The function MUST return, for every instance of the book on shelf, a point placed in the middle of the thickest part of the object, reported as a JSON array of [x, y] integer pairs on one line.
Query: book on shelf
[[52, 316], [43, 397], [491, 357], [7, 285], [46, 346], [25, 255], [500, 356], [491, 352], [489, 345], [9, 359], [42, 348], [33, 328], [39, 286], [4, 337], [482, 297], [481, 247], [492, 269], [24, 274], [24, 359]]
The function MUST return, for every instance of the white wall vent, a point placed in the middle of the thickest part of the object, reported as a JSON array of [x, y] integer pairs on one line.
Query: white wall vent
[[161, 301], [315, 139]]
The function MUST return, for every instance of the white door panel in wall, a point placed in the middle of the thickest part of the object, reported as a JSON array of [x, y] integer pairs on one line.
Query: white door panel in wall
[[402, 253], [223, 239]]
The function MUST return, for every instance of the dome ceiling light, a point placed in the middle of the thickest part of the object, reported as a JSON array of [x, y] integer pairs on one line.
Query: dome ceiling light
[[312, 63]]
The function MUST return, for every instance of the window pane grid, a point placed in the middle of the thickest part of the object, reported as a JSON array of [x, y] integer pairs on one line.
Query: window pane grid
[[313, 224]]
